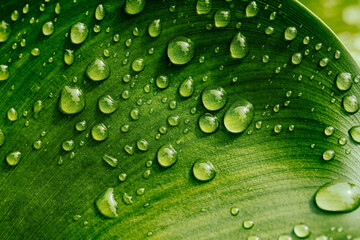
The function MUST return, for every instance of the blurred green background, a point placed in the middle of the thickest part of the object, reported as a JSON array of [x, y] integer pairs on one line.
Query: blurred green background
[[343, 17]]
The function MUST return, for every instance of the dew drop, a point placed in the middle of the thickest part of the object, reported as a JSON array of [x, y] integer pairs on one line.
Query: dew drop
[[302, 230], [252, 9], [138, 65], [350, 103], [142, 145], [203, 170], [13, 158], [203, 6], [81, 126], [208, 123], [338, 196], [162, 81], [154, 28], [12, 114], [290, 33], [113, 162], [106, 204], [127, 199], [98, 70], [222, 18], [69, 57], [180, 50], [323, 62], [35, 52], [186, 88], [68, 145], [78, 33], [72, 100], [100, 132], [234, 211], [133, 7], [296, 58], [239, 116], [238, 46], [167, 156], [214, 98], [5, 31], [343, 81], [15, 15], [48, 28], [328, 155], [135, 114], [329, 130], [173, 120], [247, 224], [122, 177], [100, 12], [355, 133], [107, 104]]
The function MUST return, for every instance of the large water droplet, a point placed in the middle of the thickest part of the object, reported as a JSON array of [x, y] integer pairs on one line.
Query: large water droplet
[[208, 123], [4, 72], [350, 104], [72, 100], [214, 98], [252, 9], [48, 28], [100, 12], [5, 31], [162, 81], [12, 114], [113, 162], [328, 155], [290, 33], [107, 104], [167, 156], [239, 116], [154, 28], [239, 47], [203, 170], [186, 88], [203, 6], [13, 158], [142, 145], [338, 196], [98, 70], [180, 50], [134, 6], [100, 132], [106, 204], [222, 18], [343, 81], [296, 58], [78, 33], [138, 65], [68, 145], [355, 133]]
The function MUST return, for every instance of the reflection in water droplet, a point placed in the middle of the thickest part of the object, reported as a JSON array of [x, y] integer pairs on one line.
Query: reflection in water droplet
[[106, 204], [180, 50], [78, 33], [98, 70], [238, 46], [214, 98], [301, 230], [72, 100], [167, 156], [222, 18], [203, 170], [13, 158], [239, 116]]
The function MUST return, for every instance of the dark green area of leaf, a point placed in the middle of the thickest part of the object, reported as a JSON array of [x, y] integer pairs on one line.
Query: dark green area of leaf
[[270, 177]]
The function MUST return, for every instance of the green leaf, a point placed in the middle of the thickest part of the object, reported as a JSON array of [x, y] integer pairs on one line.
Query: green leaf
[[269, 166]]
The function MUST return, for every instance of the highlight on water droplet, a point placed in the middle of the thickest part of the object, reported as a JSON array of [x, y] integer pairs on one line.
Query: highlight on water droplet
[[72, 100], [113, 162], [5, 31], [203, 170], [167, 156], [13, 158], [180, 50], [252, 9], [338, 196], [98, 70], [100, 132], [78, 33], [186, 88], [238, 46], [107, 104], [239, 116], [222, 18], [203, 6], [301, 230], [208, 123], [69, 57], [154, 28], [107, 204], [290, 33], [214, 98], [48, 28], [343, 81], [4, 72], [99, 12], [350, 103]]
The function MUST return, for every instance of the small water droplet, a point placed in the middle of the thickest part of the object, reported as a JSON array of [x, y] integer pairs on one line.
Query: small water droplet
[[13, 158], [142, 145], [301, 230], [99, 12], [100, 132], [208, 123], [203, 170], [138, 65], [180, 50], [328, 155], [238, 46], [113, 162], [5, 31], [107, 104], [247, 224], [167, 156], [252, 9], [296, 58], [203, 6], [234, 211], [154, 28], [343, 81], [290, 33], [222, 18], [350, 103], [68, 145], [329, 130], [78, 33], [133, 7]]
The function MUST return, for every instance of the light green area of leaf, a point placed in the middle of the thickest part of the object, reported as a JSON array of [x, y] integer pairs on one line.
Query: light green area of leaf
[[270, 173]]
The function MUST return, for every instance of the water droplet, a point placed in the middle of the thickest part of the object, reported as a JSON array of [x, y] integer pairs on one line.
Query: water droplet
[[301, 230], [68, 145], [122, 177], [222, 18], [13, 158], [343, 81], [329, 130], [203, 170], [133, 7], [154, 28], [96, 28], [98, 70], [296, 58], [167, 156], [12, 114], [234, 211], [135, 114], [138, 65], [284, 237], [328, 155], [78, 33], [57, 8], [290, 33], [350, 104], [338, 196], [318, 46], [247, 224], [107, 204], [5, 31], [140, 191], [186, 88], [48, 28], [72, 100], [238, 46], [2, 138], [15, 15], [113, 162], [127, 199], [35, 52], [100, 132], [269, 30], [107, 104], [253, 238], [180, 50], [4, 72], [342, 141], [306, 40], [322, 237], [203, 6], [125, 128], [272, 16], [173, 120], [323, 62], [208, 123], [214, 98], [239, 116], [100, 12], [337, 54], [277, 128], [252, 9], [162, 81], [81, 126], [69, 56], [142, 145]]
